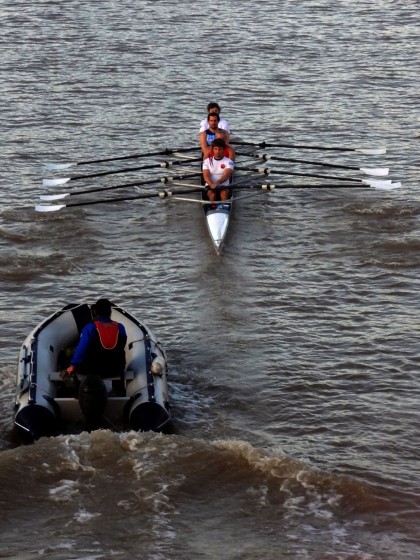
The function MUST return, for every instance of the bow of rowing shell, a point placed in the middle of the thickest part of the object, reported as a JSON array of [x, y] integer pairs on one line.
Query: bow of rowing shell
[[217, 219]]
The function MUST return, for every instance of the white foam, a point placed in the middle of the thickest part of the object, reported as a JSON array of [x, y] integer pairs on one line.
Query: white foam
[[83, 516], [64, 491]]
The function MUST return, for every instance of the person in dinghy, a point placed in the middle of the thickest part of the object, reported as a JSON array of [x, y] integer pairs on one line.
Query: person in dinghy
[[217, 171], [99, 354], [101, 348]]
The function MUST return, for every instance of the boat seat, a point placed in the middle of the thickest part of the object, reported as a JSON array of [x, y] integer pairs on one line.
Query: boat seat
[[128, 375]]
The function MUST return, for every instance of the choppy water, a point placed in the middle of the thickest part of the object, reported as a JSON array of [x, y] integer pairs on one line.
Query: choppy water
[[294, 356]]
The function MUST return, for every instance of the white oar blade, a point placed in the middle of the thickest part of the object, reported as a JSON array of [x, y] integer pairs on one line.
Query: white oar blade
[[58, 166], [374, 183], [387, 186], [54, 182], [372, 151], [49, 207], [53, 196], [377, 171]]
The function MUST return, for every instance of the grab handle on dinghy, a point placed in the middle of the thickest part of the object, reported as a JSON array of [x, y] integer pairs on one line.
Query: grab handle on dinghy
[[26, 358]]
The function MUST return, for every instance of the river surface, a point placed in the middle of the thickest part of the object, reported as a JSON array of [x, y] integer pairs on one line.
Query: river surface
[[294, 356]]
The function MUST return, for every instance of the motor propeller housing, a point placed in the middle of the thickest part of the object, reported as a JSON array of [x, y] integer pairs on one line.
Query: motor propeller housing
[[92, 398]]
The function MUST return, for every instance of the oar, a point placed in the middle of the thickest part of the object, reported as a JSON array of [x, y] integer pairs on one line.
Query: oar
[[385, 185], [270, 187], [268, 171], [389, 186], [62, 181], [165, 152], [263, 145], [160, 194], [376, 171], [169, 194], [264, 188], [166, 179]]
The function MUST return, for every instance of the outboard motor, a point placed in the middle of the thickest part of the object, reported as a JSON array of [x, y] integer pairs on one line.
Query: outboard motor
[[92, 399]]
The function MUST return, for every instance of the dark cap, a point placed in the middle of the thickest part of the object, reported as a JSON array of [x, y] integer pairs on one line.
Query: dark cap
[[102, 308]]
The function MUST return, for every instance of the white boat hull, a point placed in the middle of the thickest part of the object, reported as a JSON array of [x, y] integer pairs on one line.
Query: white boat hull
[[217, 219], [44, 402]]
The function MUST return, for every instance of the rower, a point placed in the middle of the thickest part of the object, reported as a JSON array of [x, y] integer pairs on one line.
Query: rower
[[208, 136], [229, 151], [217, 171], [214, 107]]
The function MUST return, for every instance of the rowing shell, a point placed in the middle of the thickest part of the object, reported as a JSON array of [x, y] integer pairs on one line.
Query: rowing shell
[[217, 215], [217, 219]]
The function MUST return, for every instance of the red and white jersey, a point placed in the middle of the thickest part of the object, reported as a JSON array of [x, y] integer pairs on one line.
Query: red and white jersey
[[217, 167]]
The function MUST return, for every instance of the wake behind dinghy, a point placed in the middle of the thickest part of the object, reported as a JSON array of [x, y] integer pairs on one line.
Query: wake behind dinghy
[[45, 401]]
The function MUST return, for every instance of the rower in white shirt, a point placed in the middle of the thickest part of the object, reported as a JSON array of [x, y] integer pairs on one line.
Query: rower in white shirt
[[217, 171], [214, 107]]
